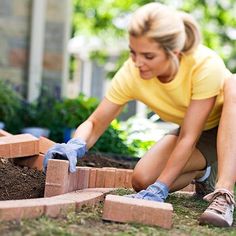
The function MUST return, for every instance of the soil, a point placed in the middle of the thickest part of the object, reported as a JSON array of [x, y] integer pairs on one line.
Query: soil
[[25, 183]]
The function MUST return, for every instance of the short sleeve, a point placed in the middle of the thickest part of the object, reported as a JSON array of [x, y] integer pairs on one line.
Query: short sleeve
[[208, 78], [120, 90]]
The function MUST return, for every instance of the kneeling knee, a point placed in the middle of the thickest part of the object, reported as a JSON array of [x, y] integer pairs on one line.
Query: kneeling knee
[[139, 182]]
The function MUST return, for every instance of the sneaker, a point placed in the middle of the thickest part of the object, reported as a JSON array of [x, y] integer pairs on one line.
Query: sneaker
[[206, 186], [221, 208]]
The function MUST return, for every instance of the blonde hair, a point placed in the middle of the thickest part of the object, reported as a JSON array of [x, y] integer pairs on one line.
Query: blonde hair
[[173, 30]]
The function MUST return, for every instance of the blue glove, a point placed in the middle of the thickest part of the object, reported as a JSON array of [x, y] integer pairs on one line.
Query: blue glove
[[155, 192], [73, 149]]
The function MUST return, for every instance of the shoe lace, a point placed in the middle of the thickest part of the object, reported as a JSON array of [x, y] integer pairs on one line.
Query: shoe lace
[[220, 199]]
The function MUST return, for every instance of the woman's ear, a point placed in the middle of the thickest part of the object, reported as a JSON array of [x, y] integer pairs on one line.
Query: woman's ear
[[176, 52]]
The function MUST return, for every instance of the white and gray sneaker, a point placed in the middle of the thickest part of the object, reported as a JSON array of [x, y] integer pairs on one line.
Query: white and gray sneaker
[[221, 208]]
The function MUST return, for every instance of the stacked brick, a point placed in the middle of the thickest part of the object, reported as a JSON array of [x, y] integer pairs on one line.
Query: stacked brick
[[59, 180], [66, 191]]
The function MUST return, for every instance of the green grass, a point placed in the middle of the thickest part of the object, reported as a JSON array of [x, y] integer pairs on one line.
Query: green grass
[[89, 222]]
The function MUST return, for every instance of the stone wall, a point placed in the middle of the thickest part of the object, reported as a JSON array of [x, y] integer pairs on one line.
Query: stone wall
[[15, 29]]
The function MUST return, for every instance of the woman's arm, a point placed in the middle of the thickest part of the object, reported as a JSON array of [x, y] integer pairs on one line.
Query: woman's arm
[[191, 129], [99, 120]]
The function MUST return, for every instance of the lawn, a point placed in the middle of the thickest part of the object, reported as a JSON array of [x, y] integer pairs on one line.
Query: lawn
[[89, 222]]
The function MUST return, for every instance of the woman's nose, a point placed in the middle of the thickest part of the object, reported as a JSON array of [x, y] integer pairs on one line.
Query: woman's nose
[[138, 61]]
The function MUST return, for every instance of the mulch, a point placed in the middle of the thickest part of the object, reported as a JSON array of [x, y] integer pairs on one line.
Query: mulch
[[25, 183]]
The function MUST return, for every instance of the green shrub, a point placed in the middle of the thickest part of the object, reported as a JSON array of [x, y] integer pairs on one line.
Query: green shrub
[[10, 103]]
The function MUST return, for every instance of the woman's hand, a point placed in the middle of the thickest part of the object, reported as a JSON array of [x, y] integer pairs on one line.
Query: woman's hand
[[73, 149]]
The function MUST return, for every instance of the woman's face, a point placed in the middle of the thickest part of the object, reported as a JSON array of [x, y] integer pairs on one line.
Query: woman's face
[[149, 58]]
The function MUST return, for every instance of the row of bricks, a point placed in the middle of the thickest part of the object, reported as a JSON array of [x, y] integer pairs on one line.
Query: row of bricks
[[116, 208], [59, 180], [52, 206], [139, 211]]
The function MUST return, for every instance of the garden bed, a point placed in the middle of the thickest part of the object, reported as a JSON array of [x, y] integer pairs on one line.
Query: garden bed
[[24, 183]]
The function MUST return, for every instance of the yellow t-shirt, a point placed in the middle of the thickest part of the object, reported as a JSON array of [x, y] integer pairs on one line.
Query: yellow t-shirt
[[201, 75]]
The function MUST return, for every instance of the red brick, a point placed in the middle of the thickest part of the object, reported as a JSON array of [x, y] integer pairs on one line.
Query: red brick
[[72, 181], [83, 197], [83, 175], [128, 179], [58, 207], [45, 144], [4, 133], [31, 162], [124, 209], [100, 190], [189, 188], [20, 145], [18, 57], [120, 178], [20, 209], [110, 174], [100, 178], [52, 61], [57, 178], [92, 178]]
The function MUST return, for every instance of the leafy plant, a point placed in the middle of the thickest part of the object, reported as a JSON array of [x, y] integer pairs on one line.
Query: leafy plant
[[73, 112], [9, 103]]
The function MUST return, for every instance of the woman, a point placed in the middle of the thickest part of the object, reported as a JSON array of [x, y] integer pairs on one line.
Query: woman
[[179, 79]]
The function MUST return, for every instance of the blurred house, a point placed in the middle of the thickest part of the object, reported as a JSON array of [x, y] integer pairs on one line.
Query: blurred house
[[90, 77], [33, 44]]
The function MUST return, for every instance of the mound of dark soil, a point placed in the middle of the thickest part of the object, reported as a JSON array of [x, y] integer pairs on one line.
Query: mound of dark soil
[[20, 182]]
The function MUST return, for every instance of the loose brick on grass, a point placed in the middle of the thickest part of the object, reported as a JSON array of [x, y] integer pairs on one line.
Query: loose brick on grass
[[124, 209], [20, 145], [57, 178], [188, 188], [45, 144]]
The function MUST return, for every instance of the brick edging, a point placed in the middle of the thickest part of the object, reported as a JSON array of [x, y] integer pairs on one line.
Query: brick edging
[[65, 192]]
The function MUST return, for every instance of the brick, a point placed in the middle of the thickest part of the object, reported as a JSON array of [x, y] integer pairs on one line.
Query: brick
[[57, 178], [18, 57], [45, 144], [100, 190], [120, 178], [72, 181], [82, 197], [110, 175], [4, 133], [128, 179], [189, 188], [58, 207], [20, 145], [83, 175], [20, 209], [100, 178], [92, 177], [124, 209], [33, 162]]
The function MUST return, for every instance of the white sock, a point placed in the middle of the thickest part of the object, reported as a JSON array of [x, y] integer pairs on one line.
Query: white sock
[[206, 174]]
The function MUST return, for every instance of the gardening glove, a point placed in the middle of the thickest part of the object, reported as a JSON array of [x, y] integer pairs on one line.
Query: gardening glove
[[73, 149], [155, 192]]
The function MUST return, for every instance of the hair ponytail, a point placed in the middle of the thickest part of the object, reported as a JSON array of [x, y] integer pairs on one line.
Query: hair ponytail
[[193, 35]]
